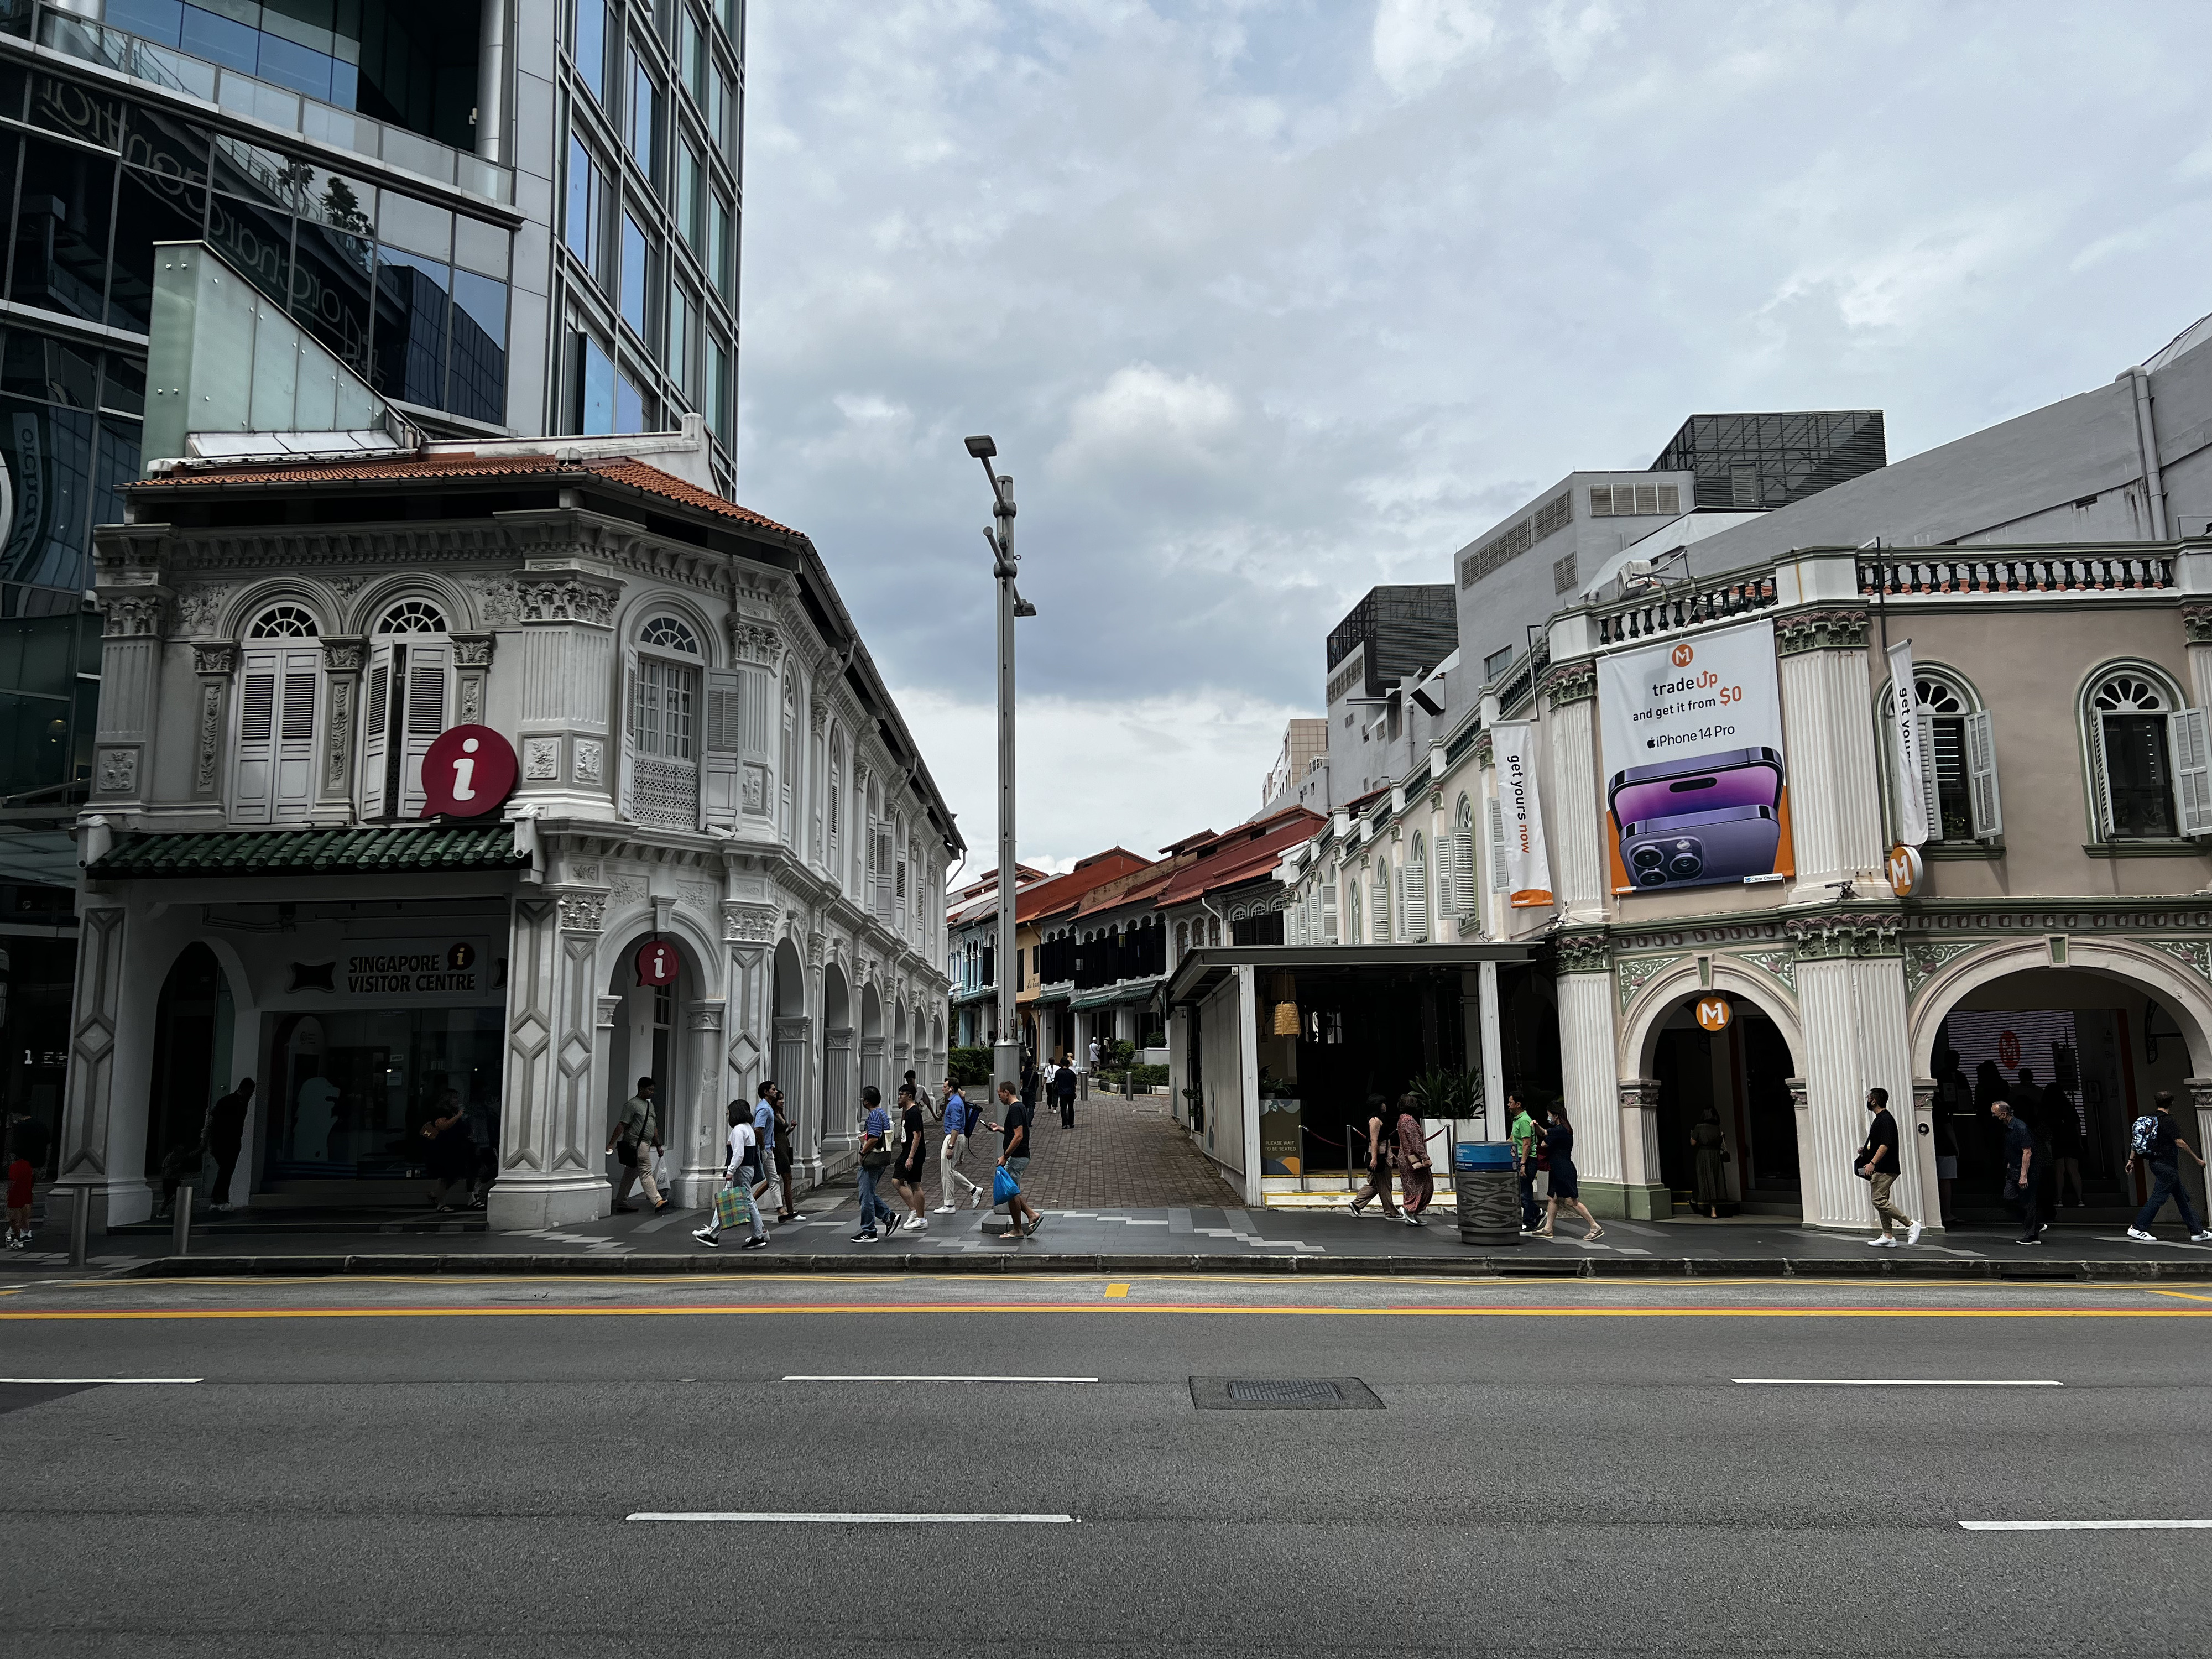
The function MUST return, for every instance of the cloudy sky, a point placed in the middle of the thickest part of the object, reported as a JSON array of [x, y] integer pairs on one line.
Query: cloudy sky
[[1267, 303]]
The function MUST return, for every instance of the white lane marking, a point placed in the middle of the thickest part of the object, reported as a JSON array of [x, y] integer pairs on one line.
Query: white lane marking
[[2086, 1526], [109, 1380], [809, 1378], [831, 1518], [1903, 1381]]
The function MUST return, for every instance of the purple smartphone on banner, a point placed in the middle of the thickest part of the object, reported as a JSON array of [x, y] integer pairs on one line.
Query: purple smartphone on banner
[[1697, 783], [1693, 848]]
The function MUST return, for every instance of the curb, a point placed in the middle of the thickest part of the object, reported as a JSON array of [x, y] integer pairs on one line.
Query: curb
[[876, 1267]]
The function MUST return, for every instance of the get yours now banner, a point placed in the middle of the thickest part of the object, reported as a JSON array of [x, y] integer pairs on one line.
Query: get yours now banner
[[1520, 814]]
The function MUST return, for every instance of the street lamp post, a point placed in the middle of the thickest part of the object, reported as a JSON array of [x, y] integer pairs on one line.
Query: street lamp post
[[1005, 1053]]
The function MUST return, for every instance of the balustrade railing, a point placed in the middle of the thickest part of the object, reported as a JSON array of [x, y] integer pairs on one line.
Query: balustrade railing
[[2016, 574], [1686, 605]]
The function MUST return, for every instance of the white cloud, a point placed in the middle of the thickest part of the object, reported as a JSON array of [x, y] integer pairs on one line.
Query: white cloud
[[1137, 772], [1417, 42], [1145, 417]]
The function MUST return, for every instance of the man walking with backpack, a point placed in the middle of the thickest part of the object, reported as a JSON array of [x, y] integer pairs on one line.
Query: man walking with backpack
[[959, 1116], [2155, 1139]]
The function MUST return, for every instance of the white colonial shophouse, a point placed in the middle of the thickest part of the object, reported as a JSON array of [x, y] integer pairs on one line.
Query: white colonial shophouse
[[707, 759]]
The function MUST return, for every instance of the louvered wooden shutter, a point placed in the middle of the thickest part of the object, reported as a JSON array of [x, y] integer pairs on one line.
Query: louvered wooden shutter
[[1416, 899], [1932, 798], [725, 739], [423, 716], [1328, 912], [2192, 769], [293, 796], [626, 773], [251, 795], [1500, 881], [1464, 900], [1981, 778], [1382, 905], [371, 790]]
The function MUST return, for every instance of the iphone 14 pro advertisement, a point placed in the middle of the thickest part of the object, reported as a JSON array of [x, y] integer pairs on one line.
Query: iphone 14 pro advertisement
[[1697, 789]]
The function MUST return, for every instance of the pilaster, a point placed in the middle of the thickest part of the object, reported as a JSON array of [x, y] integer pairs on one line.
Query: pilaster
[[1569, 737], [700, 1159], [342, 667], [132, 623], [566, 737], [1850, 997], [1644, 1192], [552, 1153], [1834, 782], [1587, 1074], [216, 663]]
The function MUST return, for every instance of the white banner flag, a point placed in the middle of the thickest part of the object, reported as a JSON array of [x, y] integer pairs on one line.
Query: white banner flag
[[1528, 868], [1904, 745]]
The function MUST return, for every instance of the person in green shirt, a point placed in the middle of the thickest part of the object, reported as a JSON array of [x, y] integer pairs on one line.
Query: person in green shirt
[[1523, 1134]]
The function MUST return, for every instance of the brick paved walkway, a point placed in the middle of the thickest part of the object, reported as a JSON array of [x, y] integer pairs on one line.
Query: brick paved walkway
[[1121, 1154]]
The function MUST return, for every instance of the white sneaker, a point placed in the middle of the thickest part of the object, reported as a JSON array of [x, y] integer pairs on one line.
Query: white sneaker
[[943, 1209], [705, 1236], [2204, 1238], [919, 1224], [1878, 1240], [2141, 1237], [1912, 1233]]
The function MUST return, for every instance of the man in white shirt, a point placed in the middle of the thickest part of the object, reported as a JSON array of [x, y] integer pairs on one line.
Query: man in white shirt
[[734, 1203]]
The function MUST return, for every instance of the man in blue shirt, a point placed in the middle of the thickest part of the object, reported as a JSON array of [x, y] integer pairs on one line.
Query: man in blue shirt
[[958, 1120], [764, 1134], [875, 1162], [2019, 1173]]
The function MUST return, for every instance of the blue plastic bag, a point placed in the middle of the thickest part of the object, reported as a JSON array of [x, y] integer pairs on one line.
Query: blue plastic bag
[[1003, 1185]]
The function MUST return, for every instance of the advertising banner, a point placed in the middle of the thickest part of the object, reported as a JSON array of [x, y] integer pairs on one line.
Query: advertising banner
[[1905, 735], [1696, 794], [1527, 866]]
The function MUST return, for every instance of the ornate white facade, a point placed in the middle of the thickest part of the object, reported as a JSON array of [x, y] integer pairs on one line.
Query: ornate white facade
[[707, 757]]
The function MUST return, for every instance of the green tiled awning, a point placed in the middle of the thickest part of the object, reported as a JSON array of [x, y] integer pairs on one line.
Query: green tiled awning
[[1127, 990], [375, 850]]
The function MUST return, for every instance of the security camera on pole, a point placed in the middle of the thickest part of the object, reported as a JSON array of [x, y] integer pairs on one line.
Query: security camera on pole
[[1006, 1052]]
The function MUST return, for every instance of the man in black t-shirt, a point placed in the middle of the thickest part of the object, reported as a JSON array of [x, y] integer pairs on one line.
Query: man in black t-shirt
[[1014, 1159], [225, 1136], [1878, 1163]]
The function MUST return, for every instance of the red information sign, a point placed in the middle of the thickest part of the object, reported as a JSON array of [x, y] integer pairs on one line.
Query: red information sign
[[467, 771], [657, 964]]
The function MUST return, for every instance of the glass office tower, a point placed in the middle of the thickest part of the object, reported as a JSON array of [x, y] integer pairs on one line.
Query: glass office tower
[[522, 218]]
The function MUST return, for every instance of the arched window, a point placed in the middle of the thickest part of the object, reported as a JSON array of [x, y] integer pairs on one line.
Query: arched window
[[786, 781], [1355, 931], [660, 759], [1958, 783], [1183, 939], [284, 622], [1213, 930], [280, 699], [412, 617], [2148, 756], [1382, 933], [836, 803]]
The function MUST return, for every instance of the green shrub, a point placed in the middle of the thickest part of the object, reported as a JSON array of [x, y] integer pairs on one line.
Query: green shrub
[[969, 1066]]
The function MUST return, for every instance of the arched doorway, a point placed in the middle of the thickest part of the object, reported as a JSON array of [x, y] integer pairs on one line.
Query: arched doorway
[[839, 1088], [193, 1023], [1741, 1073], [871, 1037], [2079, 1052], [646, 1041]]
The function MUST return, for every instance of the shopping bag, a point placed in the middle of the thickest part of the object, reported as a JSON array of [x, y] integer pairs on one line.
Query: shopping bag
[[733, 1206], [1004, 1186]]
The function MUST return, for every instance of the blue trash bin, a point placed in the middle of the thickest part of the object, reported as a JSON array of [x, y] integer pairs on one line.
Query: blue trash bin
[[1489, 1191]]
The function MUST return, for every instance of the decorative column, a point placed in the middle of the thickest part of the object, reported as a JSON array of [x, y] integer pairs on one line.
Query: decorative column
[[214, 661], [1648, 1196], [1920, 1132], [552, 1146], [342, 666], [793, 1034], [1578, 878], [609, 1011], [1587, 1067], [841, 1098], [872, 1063], [97, 1172], [472, 663], [566, 732], [2200, 1098], [133, 621], [2197, 630], [1835, 784], [1851, 995], [699, 1152]]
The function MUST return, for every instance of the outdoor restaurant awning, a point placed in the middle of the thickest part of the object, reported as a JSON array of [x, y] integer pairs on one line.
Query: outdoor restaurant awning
[[1127, 990], [1201, 972]]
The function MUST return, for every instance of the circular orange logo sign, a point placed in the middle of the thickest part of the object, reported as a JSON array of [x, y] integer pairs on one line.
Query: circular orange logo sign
[[1905, 869], [1714, 1013], [1682, 656]]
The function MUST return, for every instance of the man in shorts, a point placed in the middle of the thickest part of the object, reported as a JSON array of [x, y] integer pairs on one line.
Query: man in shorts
[[1014, 1158]]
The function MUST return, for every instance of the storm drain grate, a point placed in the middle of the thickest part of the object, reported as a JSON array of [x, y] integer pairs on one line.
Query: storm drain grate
[[1282, 1394], [1286, 1393]]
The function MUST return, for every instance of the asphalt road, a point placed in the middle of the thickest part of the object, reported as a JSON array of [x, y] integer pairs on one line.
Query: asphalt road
[[443, 1469]]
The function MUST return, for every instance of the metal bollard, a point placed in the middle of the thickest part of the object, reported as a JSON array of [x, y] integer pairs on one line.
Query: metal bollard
[[80, 1225], [180, 1238]]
